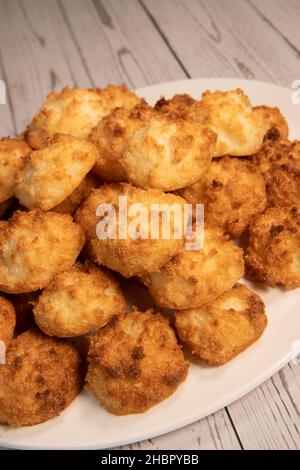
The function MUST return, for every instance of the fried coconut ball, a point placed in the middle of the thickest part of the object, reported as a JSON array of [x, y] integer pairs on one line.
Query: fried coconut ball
[[135, 362], [279, 162], [275, 124], [12, 152], [130, 256], [218, 331], [76, 111], [76, 198], [51, 174], [34, 246], [41, 377], [151, 149], [7, 324], [176, 107], [273, 254], [111, 137], [77, 301], [233, 193], [229, 114], [195, 277]]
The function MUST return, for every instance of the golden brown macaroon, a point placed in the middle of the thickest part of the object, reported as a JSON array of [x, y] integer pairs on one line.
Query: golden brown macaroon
[[136, 253], [111, 137], [77, 301], [12, 152], [7, 324], [273, 254], [279, 162], [195, 277], [76, 111], [76, 198], [233, 193], [34, 246], [151, 149], [135, 362], [229, 114], [176, 107], [166, 153], [275, 124], [49, 175], [218, 331], [41, 377]]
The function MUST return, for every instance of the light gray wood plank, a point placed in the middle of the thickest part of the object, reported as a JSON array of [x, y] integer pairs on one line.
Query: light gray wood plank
[[268, 417], [31, 55], [224, 38], [212, 433], [7, 118], [283, 16], [119, 43], [47, 45]]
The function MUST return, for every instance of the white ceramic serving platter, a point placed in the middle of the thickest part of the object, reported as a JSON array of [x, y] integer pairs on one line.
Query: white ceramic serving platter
[[85, 425]]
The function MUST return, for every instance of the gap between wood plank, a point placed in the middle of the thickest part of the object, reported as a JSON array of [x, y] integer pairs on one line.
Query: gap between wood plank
[[164, 37], [269, 23], [234, 428], [66, 20]]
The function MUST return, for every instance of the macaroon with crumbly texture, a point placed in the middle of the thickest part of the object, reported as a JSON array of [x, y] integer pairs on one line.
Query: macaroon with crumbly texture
[[34, 247], [273, 254], [50, 175], [110, 138], [76, 111], [12, 152], [279, 162], [151, 149], [195, 277], [233, 192], [135, 362], [128, 255], [164, 152], [240, 131], [220, 330], [41, 377], [7, 321], [77, 301]]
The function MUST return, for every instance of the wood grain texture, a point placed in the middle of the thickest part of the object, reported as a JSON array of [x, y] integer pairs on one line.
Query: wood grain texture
[[119, 43], [31, 56], [50, 44], [283, 18], [268, 417], [213, 433], [228, 38], [59, 43]]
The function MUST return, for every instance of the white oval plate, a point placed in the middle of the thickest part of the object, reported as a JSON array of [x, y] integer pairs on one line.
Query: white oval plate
[[85, 425]]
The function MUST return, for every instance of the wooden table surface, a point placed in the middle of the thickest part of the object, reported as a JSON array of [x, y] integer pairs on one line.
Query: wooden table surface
[[48, 44]]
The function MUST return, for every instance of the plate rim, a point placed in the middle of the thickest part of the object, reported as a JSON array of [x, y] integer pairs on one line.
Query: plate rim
[[199, 79]]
